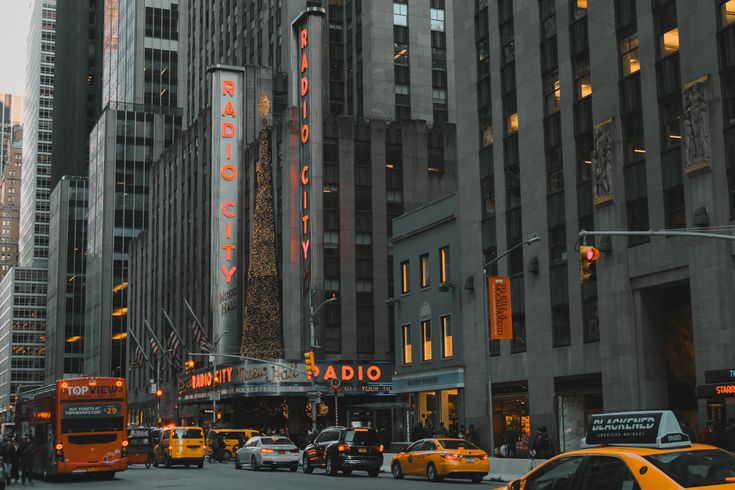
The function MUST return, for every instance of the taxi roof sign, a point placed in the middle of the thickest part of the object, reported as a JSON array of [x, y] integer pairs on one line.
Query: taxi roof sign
[[656, 429]]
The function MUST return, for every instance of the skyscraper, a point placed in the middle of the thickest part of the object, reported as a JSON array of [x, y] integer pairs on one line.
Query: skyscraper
[[10, 201], [11, 115], [37, 135]]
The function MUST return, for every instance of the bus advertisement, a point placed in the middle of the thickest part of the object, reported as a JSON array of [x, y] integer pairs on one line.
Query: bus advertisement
[[76, 425]]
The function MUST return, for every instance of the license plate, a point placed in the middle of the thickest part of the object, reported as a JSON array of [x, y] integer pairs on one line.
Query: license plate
[[281, 452], [362, 450], [470, 460]]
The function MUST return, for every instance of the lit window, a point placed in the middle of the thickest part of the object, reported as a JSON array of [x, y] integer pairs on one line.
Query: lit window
[[512, 123], [424, 264], [444, 264], [406, 342], [670, 41], [584, 86], [405, 277], [631, 62], [447, 347], [487, 136], [728, 12], [426, 340]]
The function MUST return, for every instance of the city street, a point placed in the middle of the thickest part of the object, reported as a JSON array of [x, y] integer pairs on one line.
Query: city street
[[225, 476]]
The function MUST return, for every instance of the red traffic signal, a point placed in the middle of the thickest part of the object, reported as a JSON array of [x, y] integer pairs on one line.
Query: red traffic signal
[[587, 256]]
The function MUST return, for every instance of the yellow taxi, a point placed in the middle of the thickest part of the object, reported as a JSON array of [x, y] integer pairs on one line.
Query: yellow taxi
[[634, 451], [234, 439], [439, 458], [180, 445]]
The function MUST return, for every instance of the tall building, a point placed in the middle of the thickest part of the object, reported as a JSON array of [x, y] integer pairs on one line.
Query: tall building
[[37, 135], [78, 76], [22, 332], [67, 279], [11, 115], [10, 201], [372, 159], [560, 128], [139, 121]]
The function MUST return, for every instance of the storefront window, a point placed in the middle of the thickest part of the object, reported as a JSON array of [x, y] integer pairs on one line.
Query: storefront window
[[512, 424], [429, 409]]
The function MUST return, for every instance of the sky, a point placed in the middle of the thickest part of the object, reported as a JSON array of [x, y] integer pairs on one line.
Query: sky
[[15, 17]]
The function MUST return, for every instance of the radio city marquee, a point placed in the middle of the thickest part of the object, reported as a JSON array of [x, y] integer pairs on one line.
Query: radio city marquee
[[284, 378]]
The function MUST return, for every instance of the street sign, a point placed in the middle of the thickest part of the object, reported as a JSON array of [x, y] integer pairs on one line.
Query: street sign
[[313, 394], [719, 376], [215, 397], [716, 390]]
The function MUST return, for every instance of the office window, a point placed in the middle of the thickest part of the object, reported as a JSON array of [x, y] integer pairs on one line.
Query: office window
[[406, 343], [511, 123], [579, 8], [444, 264], [424, 264], [629, 57], [400, 13], [670, 42], [426, 340], [447, 346], [405, 277]]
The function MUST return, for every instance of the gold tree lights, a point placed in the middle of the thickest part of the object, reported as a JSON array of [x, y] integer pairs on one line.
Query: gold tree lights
[[261, 329]]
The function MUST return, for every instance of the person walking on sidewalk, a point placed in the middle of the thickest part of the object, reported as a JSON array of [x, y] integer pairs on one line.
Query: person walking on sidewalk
[[26, 461]]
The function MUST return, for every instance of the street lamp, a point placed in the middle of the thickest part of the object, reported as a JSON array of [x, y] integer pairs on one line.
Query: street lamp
[[313, 344], [213, 360], [485, 266]]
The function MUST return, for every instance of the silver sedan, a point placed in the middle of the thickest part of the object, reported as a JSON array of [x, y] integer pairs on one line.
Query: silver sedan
[[268, 452]]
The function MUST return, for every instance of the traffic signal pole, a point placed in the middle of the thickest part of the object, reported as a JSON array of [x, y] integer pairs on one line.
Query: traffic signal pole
[[667, 233]]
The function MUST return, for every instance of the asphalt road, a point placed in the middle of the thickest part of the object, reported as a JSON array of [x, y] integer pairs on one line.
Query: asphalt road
[[216, 476]]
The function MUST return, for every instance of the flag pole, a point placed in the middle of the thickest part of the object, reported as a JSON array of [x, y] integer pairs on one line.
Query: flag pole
[[188, 307], [168, 319], [130, 331], [150, 330]]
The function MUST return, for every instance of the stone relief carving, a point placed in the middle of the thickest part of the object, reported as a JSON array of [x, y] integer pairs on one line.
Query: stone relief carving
[[602, 162], [695, 122]]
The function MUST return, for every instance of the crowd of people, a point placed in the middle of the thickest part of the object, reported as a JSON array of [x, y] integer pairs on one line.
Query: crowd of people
[[16, 461], [715, 433], [470, 433]]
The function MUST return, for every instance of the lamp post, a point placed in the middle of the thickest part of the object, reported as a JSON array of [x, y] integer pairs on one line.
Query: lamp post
[[485, 266], [213, 361], [313, 344]]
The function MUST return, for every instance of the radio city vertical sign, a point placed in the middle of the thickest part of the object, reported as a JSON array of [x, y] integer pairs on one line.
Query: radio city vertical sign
[[306, 97], [226, 170]]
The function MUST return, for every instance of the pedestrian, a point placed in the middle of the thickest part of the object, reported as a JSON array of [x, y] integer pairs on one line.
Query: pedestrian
[[510, 439], [718, 437], [26, 460], [9, 454], [473, 435], [215, 449], [730, 434], [687, 429], [705, 435], [443, 432], [532, 443], [14, 452], [544, 446], [462, 433], [3, 473], [221, 445]]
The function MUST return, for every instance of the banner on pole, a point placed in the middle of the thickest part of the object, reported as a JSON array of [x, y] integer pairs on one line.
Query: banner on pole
[[499, 305]]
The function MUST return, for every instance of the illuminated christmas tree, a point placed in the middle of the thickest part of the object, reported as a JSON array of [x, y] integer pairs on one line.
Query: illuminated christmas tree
[[261, 329]]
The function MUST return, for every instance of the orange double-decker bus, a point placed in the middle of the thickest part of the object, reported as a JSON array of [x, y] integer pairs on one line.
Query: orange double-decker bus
[[76, 425]]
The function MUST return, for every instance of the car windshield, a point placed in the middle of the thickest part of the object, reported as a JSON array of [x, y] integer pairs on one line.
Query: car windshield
[[692, 469], [188, 433], [233, 435], [275, 441], [456, 444], [362, 438]]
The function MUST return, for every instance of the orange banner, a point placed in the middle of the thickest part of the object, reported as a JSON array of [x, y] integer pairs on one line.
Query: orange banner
[[501, 312]]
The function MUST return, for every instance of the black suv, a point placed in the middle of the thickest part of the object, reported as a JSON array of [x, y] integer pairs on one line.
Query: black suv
[[340, 448]]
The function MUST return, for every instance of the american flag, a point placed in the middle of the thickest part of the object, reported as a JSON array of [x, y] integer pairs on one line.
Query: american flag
[[155, 348], [201, 338], [138, 359], [174, 347]]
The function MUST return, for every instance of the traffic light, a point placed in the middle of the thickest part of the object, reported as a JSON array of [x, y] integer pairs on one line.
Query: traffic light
[[159, 393], [189, 366], [587, 256], [310, 363]]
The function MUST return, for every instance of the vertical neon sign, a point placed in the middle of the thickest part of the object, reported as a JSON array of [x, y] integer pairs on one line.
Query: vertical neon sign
[[304, 96], [227, 130]]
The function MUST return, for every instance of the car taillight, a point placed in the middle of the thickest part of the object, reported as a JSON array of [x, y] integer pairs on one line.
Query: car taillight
[[343, 448], [483, 457], [265, 450], [311, 451], [380, 448], [452, 456]]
